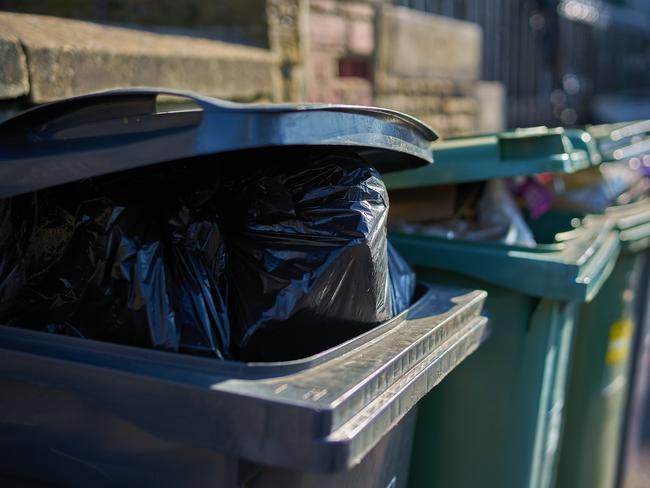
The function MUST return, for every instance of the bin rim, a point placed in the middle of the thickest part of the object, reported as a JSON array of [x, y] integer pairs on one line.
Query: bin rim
[[520, 152]]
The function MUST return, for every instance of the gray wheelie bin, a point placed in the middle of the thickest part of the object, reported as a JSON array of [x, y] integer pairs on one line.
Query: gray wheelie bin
[[79, 412]]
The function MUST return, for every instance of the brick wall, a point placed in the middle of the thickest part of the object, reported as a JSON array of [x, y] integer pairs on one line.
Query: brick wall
[[356, 51], [374, 53], [340, 42]]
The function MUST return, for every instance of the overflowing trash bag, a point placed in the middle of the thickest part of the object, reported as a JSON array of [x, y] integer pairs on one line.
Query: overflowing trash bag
[[135, 259], [270, 261], [309, 265]]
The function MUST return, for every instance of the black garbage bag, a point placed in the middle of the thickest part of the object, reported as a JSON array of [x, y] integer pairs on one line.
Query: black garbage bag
[[308, 259], [402, 281], [135, 259]]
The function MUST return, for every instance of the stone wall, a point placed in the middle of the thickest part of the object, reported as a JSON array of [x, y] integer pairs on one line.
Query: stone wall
[[374, 53], [340, 43], [357, 52], [428, 66], [45, 58], [239, 21]]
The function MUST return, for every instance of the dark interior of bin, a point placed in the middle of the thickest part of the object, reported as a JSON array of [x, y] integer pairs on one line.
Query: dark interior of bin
[[142, 184]]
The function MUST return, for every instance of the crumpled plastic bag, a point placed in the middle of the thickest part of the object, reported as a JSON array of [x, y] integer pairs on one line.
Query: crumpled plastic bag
[[497, 209], [495, 217], [135, 259], [309, 263]]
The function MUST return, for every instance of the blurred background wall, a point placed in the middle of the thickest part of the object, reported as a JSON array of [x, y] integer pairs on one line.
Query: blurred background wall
[[562, 61], [461, 65]]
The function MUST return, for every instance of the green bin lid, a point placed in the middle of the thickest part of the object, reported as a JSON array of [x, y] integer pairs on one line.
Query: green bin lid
[[519, 152], [622, 141]]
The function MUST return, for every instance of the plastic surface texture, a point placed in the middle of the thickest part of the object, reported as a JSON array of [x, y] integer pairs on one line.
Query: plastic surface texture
[[151, 261], [112, 405], [598, 383], [622, 141], [497, 420], [605, 338], [110, 131], [476, 158], [584, 140]]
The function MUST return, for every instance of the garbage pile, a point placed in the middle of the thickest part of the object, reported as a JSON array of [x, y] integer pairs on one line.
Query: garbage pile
[[258, 261]]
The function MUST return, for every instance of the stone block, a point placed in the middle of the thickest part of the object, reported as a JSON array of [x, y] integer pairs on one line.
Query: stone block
[[14, 80], [457, 104], [242, 21], [439, 122], [462, 124], [327, 30], [361, 37], [323, 6], [411, 104], [440, 86], [491, 100], [68, 57], [357, 10], [356, 91], [322, 66], [419, 45]]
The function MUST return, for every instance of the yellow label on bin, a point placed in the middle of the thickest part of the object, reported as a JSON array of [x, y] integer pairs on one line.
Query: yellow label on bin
[[618, 347]]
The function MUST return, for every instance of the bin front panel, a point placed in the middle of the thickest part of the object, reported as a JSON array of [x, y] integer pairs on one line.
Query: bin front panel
[[495, 421], [598, 383]]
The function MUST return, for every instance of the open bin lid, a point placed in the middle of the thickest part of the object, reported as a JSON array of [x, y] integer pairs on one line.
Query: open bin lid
[[322, 413], [484, 157], [622, 141], [116, 130]]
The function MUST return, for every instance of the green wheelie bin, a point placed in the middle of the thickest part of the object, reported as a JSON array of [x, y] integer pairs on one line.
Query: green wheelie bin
[[496, 422], [605, 331], [621, 141]]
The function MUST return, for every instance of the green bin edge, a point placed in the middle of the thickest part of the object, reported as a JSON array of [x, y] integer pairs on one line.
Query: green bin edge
[[520, 152]]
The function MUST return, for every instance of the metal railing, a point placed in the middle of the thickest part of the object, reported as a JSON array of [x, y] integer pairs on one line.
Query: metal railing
[[555, 56]]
